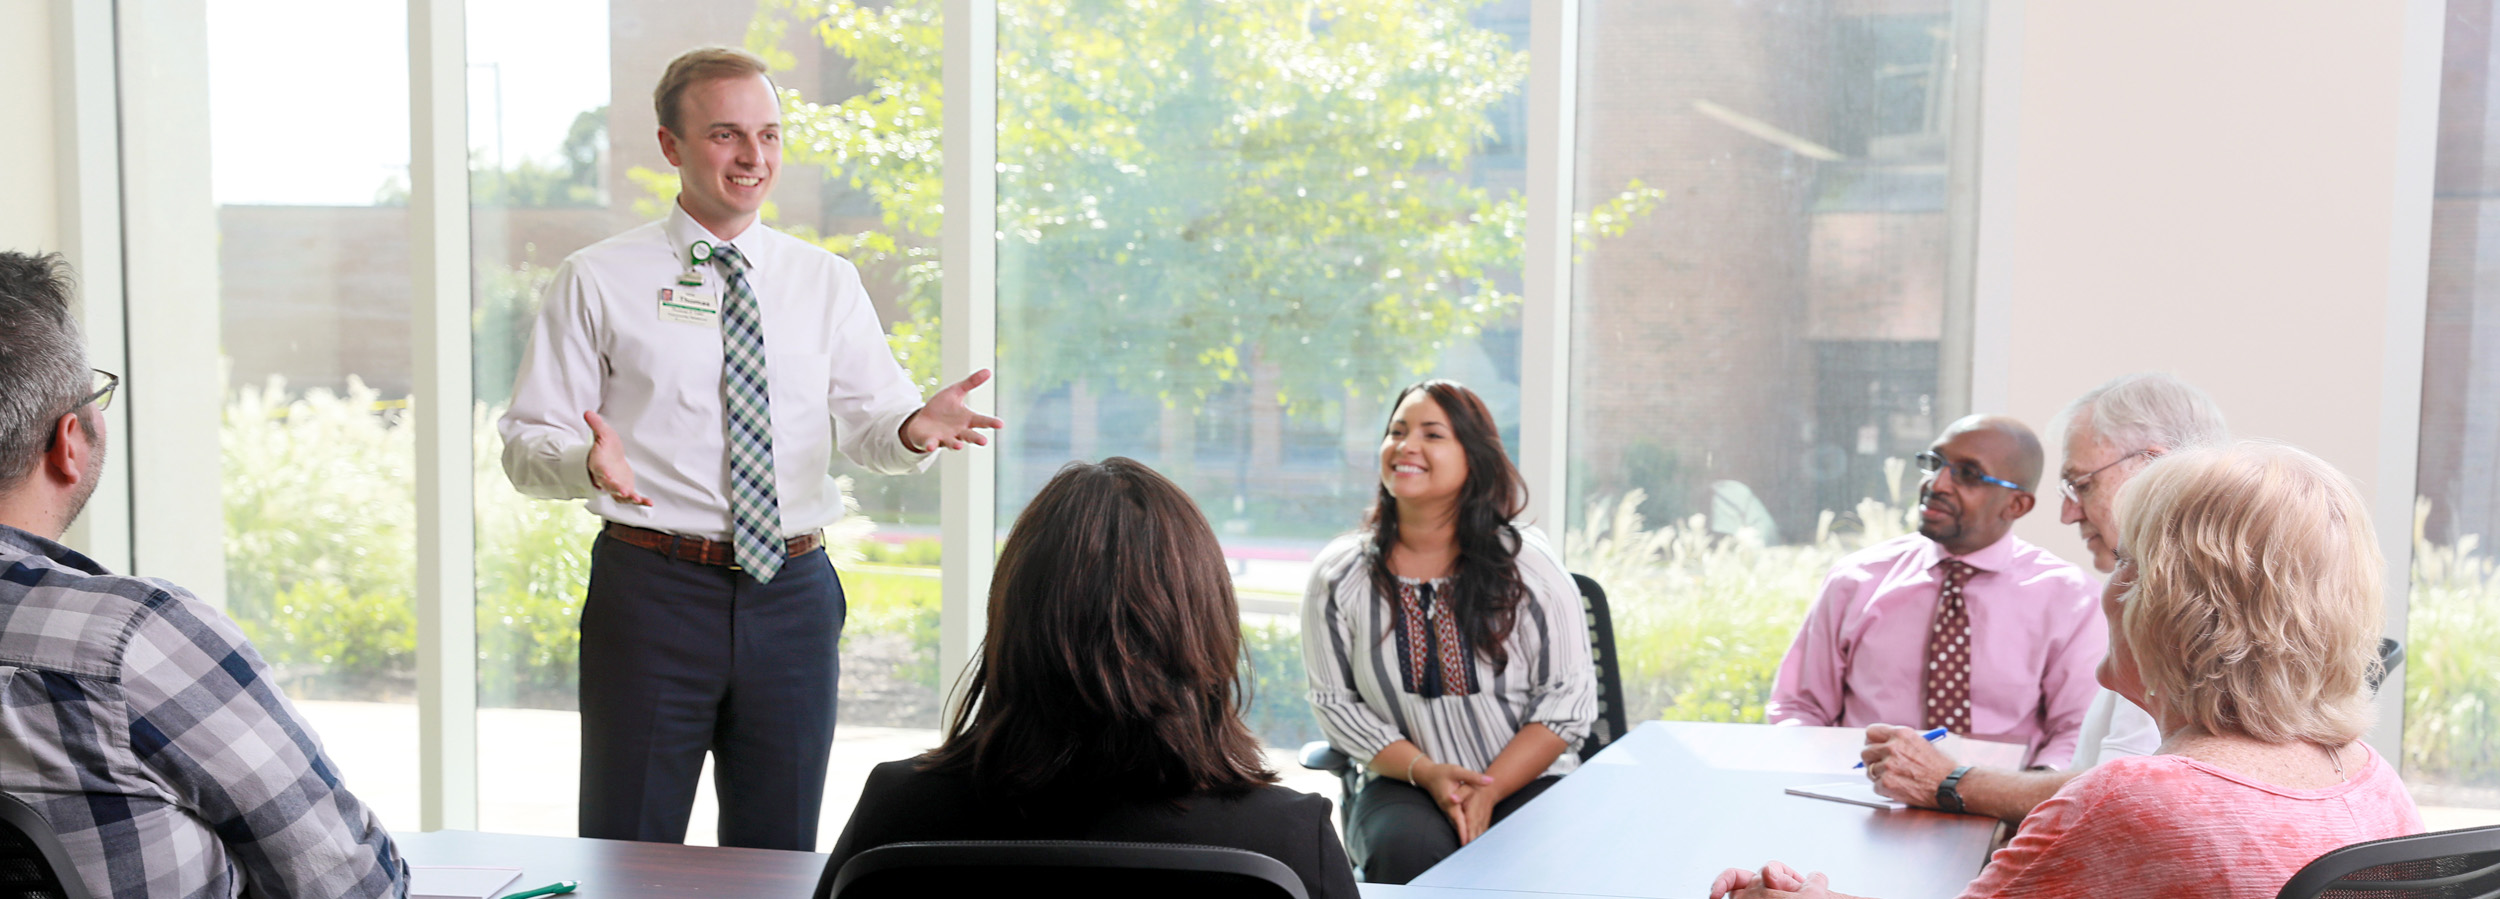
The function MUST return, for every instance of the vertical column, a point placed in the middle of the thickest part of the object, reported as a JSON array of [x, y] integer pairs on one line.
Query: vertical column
[[2408, 301], [438, 203], [969, 251], [169, 242], [87, 173], [1983, 336], [1954, 349], [1545, 295]]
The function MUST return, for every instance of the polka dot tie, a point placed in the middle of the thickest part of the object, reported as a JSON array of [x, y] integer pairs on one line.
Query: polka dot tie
[[1948, 652]]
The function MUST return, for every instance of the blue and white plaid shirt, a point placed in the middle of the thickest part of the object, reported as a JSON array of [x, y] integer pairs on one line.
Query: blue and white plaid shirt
[[147, 731]]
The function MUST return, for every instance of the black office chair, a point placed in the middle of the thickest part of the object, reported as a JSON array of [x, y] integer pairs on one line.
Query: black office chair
[[1317, 755], [2391, 655], [1043, 867], [2450, 864], [33, 865]]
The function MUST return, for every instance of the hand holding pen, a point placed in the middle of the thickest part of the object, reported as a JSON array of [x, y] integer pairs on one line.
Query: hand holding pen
[[1930, 736]]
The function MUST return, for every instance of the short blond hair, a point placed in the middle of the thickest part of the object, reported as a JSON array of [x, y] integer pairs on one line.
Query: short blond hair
[[699, 65], [2257, 602]]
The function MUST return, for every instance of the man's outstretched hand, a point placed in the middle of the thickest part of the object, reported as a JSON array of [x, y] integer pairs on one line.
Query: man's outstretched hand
[[608, 470], [945, 422]]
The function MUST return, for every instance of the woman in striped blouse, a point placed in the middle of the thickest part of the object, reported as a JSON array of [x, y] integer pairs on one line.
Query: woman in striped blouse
[[1446, 645]]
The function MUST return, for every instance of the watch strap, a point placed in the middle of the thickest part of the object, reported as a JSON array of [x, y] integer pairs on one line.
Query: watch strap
[[1948, 797]]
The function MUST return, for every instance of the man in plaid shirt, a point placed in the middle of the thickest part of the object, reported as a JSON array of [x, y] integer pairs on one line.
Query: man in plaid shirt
[[134, 717]]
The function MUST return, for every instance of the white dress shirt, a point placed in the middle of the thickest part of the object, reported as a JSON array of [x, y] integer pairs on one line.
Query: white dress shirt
[[602, 343], [2115, 728]]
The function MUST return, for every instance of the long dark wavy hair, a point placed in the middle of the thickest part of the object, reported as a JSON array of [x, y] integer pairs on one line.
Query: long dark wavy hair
[[1111, 669], [1485, 590]]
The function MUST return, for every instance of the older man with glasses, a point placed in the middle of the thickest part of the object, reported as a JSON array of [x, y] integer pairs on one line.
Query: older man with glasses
[[2111, 434], [1961, 626]]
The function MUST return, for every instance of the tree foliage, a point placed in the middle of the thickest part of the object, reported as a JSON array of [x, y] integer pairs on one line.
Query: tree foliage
[[1188, 186]]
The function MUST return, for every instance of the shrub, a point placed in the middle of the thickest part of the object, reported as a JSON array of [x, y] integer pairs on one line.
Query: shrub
[[2452, 663], [320, 514]]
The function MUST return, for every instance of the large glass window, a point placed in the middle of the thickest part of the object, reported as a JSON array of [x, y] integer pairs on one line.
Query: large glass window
[[2452, 665], [564, 154], [1754, 360], [1228, 234], [313, 293]]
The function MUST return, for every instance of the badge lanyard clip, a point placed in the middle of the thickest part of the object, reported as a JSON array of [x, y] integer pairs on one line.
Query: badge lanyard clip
[[700, 254]]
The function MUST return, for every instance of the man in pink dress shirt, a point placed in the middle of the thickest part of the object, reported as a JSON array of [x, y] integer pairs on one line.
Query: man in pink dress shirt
[[1961, 625]]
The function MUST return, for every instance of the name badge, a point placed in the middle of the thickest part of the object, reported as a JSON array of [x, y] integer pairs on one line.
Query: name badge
[[689, 307]]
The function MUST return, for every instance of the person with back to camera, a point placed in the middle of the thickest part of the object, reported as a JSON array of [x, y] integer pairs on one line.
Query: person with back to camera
[[1446, 645], [1106, 700], [2243, 614]]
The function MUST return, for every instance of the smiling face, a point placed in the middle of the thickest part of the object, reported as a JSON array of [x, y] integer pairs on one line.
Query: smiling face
[[1421, 460], [1967, 517], [729, 151]]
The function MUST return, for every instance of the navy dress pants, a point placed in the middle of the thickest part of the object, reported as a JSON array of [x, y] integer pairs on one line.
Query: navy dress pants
[[681, 658]]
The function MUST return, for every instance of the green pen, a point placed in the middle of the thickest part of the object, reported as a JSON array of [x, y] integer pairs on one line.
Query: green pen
[[554, 889]]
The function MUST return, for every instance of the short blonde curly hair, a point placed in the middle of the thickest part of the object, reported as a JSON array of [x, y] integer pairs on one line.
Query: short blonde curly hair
[[2257, 600]]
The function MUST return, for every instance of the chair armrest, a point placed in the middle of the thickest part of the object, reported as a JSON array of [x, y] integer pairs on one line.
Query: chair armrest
[[1317, 755]]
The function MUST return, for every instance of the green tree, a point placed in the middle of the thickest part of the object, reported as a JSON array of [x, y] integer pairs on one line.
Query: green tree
[[1193, 185]]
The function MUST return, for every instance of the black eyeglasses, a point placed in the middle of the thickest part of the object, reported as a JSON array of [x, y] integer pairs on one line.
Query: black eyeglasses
[[1965, 472], [106, 383]]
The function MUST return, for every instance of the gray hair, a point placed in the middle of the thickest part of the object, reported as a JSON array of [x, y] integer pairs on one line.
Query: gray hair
[[2146, 410], [43, 362]]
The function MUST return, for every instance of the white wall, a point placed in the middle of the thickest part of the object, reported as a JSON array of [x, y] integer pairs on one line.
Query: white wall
[[29, 204], [2236, 191]]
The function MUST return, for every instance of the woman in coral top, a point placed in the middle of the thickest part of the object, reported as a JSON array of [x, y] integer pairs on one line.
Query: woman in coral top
[[2244, 614]]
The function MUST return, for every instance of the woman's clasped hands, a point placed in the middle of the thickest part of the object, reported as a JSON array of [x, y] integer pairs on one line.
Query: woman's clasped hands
[[1464, 794]]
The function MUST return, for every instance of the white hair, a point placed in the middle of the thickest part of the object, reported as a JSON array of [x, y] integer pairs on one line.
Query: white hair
[[2148, 410]]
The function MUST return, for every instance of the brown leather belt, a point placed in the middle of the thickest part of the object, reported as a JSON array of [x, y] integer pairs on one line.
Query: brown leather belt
[[697, 549]]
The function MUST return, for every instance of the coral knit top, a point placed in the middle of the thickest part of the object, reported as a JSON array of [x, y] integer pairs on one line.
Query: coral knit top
[[2170, 825]]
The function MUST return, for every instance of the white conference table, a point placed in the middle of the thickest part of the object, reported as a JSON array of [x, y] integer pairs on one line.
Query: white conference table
[[1665, 809]]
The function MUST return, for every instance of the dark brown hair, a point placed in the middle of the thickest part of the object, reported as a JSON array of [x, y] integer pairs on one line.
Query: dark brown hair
[[1111, 668], [1485, 589], [699, 65]]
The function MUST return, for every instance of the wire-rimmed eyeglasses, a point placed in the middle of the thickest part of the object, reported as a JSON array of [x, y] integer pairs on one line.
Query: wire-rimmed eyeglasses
[[106, 384], [2074, 488]]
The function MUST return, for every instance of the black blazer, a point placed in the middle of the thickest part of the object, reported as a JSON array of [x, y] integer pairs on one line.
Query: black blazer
[[901, 805]]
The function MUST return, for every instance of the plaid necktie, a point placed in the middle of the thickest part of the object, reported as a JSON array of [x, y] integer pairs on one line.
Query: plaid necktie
[[754, 507], [1948, 652]]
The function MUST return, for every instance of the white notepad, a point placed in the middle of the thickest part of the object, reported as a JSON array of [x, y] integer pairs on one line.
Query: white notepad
[[1854, 792], [443, 882]]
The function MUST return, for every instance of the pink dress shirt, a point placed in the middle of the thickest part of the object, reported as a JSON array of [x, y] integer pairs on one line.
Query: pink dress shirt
[[2036, 636], [2173, 826]]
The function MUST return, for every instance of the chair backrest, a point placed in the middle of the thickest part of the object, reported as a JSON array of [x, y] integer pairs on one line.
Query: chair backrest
[[33, 864], [2449, 864], [1610, 716], [2391, 654], [1042, 867]]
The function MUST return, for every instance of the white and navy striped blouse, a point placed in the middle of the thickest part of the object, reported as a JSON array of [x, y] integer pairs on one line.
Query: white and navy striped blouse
[[1379, 674]]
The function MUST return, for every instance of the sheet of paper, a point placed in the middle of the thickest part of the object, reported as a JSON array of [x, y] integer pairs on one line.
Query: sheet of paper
[[1854, 792], [445, 882]]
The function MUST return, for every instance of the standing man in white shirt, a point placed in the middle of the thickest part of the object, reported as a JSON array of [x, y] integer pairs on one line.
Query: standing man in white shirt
[[691, 379], [2111, 433]]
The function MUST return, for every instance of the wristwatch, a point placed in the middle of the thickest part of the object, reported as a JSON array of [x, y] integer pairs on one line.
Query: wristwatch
[[1947, 797]]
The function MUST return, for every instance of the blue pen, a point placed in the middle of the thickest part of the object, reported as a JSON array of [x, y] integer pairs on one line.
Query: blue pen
[[1930, 736]]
